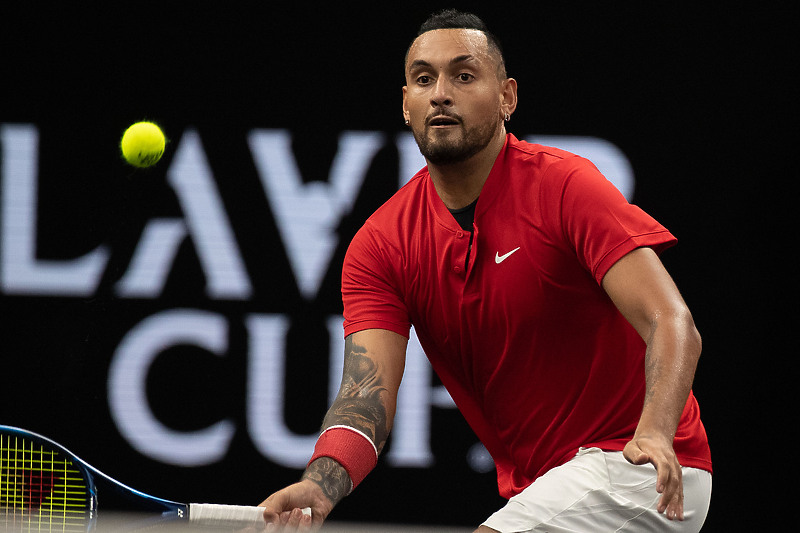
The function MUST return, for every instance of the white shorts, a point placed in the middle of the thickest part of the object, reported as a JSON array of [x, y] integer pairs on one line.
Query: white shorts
[[599, 491]]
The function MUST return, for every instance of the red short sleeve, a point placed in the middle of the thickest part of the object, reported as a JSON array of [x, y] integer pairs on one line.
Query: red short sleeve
[[370, 286], [599, 223]]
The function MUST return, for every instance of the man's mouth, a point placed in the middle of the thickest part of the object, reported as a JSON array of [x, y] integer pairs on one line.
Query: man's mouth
[[442, 121]]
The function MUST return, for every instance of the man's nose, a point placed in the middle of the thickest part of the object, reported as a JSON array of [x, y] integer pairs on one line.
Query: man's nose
[[442, 93]]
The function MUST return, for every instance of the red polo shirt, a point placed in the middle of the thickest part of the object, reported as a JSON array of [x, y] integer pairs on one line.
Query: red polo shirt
[[534, 353]]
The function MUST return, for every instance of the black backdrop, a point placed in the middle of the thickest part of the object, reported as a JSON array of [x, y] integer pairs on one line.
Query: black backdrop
[[686, 93]]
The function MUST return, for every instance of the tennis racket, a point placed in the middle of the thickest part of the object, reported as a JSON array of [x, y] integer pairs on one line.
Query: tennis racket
[[45, 487]]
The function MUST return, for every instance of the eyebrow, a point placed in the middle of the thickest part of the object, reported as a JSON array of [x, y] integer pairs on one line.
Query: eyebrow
[[421, 63]]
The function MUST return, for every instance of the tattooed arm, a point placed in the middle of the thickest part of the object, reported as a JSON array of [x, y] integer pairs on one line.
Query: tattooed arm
[[373, 367]]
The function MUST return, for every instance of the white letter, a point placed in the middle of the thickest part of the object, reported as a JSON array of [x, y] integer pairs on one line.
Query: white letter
[[20, 271], [265, 394], [149, 267], [127, 380], [411, 434], [307, 214]]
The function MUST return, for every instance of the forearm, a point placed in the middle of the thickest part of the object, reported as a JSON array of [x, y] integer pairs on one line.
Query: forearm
[[366, 403], [366, 416], [647, 297], [673, 349]]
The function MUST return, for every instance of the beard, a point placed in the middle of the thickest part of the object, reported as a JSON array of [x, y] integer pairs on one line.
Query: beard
[[452, 147]]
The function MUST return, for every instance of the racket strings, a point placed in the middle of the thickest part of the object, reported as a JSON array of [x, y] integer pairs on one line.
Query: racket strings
[[39, 485]]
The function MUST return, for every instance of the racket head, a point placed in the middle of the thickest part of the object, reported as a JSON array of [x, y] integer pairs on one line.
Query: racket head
[[43, 486]]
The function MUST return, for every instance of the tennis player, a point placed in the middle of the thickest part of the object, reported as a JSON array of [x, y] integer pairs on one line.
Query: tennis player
[[539, 297]]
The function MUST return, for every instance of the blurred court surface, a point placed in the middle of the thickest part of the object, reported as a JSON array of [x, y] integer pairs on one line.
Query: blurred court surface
[[110, 522]]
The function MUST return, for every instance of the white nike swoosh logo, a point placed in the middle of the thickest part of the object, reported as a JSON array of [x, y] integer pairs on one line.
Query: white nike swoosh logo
[[500, 258]]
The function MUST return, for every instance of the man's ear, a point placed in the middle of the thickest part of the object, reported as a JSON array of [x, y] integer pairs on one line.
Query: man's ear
[[508, 96], [406, 115]]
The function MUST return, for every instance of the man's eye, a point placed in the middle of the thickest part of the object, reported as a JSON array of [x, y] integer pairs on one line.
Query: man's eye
[[423, 80], [464, 76]]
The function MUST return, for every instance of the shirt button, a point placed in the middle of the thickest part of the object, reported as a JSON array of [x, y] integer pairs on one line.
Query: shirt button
[[457, 269], [459, 234]]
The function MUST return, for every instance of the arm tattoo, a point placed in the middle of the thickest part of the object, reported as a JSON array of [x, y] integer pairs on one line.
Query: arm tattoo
[[331, 477], [359, 403]]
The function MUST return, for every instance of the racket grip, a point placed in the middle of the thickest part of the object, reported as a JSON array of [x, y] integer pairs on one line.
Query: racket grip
[[213, 514]]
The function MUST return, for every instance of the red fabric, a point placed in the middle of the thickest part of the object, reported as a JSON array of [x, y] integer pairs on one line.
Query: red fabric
[[530, 347], [351, 449]]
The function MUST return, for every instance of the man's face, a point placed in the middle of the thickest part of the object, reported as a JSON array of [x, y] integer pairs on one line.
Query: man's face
[[452, 98]]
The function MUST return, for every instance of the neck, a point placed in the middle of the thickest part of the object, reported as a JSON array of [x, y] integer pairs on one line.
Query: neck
[[460, 184]]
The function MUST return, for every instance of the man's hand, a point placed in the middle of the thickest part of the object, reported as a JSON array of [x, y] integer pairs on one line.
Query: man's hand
[[283, 509], [669, 481]]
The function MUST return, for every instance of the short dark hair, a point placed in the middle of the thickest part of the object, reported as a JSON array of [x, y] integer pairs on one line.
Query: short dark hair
[[455, 19]]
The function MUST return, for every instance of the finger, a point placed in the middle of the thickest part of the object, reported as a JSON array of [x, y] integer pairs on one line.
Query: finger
[[674, 507], [663, 475], [275, 503], [675, 511], [296, 521], [670, 484], [300, 520], [272, 511]]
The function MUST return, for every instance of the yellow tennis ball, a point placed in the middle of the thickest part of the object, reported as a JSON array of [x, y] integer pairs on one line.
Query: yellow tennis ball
[[143, 144]]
